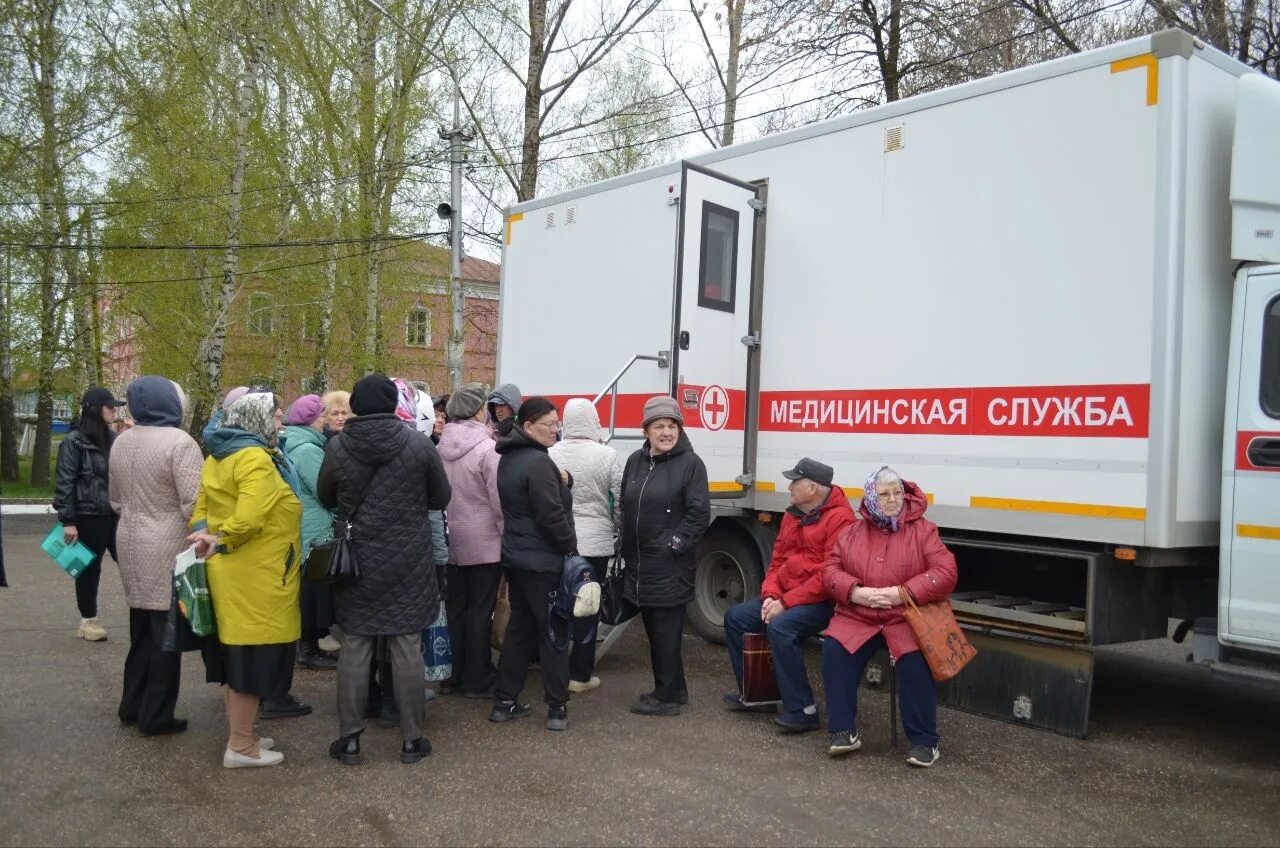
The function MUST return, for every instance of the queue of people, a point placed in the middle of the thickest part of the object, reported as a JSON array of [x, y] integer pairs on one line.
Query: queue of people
[[445, 500]]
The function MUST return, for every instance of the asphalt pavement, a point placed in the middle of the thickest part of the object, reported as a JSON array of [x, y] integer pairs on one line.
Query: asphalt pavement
[[1173, 758]]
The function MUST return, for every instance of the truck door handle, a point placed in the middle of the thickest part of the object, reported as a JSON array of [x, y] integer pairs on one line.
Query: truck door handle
[[1264, 453], [684, 339]]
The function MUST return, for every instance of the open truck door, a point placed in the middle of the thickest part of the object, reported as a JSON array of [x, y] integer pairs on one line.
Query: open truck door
[[716, 286]]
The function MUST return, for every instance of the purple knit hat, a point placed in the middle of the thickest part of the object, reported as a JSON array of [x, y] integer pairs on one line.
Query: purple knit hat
[[305, 410]]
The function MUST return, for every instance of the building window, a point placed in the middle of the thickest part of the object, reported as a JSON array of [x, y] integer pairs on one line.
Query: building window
[[260, 309], [418, 327], [718, 262], [1269, 390]]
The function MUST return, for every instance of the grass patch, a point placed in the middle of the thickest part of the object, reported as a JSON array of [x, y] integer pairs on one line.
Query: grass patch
[[23, 488]]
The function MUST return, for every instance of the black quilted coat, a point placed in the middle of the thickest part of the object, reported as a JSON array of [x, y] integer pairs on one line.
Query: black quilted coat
[[400, 477], [663, 496]]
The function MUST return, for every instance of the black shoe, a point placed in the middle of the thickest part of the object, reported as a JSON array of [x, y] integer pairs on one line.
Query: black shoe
[[844, 742], [734, 702], [797, 722], [127, 721], [312, 657], [922, 757], [412, 752], [648, 705], [176, 725], [287, 707], [558, 718], [388, 716], [508, 710], [682, 700], [346, 749]]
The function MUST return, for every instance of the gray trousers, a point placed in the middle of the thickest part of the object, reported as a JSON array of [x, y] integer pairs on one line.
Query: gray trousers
[[407, 670]]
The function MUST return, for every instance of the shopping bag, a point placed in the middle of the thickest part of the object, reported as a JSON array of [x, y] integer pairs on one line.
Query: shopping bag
[[73, 558], [759, 685], [614, 606], [191, 581], [178, 637], [437, 653], [941, 640]]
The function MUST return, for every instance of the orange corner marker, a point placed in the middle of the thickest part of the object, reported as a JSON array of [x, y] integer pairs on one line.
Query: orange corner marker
[[511, 219], [1148, 61]]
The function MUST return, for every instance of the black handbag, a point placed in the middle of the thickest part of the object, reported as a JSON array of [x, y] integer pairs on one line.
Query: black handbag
[[178, 636], [614, 606], [334, 560]]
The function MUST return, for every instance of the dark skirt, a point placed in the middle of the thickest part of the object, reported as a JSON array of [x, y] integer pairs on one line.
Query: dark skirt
[[262, 670]]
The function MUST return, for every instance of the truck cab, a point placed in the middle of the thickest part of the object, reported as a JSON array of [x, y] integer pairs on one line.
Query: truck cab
[[1248, 621]]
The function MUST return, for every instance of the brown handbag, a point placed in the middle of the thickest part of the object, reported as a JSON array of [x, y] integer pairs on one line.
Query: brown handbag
[[759, 686], [941, 640]]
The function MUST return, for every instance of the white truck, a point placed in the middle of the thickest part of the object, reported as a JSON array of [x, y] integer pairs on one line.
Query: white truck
[[1018, 292]]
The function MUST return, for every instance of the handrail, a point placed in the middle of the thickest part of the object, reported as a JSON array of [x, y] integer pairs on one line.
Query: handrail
[[611, 389]]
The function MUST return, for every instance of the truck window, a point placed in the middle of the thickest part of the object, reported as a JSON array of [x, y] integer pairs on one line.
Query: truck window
[[717, 266], [1269, 391]]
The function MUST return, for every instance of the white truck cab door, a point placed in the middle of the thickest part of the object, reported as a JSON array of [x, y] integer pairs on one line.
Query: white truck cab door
[[1249, 583], [715, 254]]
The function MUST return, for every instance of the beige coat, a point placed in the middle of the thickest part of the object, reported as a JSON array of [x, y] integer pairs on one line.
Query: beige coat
[[155, 474]]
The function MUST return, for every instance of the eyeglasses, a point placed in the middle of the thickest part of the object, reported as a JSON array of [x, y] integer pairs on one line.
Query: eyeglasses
[[884, 497]]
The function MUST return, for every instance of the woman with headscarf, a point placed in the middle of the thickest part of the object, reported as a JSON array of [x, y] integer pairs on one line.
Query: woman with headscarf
[[597, 489], [216, 421], [247, 525], [155, 475], [80, 497], [303, 444], [894, 549]]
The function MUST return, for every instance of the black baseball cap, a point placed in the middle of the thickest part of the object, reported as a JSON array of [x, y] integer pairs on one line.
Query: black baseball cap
[[98, 396], [811, 469]]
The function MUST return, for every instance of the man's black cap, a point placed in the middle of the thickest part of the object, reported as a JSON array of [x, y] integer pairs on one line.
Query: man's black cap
[[98, 396], [811, 469]]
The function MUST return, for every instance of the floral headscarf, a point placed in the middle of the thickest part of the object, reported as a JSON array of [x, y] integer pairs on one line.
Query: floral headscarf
[[872, 503], [255, 413]]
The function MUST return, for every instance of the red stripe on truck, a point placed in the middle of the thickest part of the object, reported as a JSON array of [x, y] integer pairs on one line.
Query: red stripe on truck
[[1101, 411]]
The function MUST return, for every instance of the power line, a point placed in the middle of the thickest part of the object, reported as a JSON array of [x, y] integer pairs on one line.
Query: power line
[[320, 242], [261, 271]]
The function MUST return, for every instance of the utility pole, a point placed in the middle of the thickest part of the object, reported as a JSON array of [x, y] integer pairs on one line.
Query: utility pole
[[453, 211]]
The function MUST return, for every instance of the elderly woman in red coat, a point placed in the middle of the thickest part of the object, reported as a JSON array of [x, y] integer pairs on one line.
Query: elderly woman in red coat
[[893, 549]]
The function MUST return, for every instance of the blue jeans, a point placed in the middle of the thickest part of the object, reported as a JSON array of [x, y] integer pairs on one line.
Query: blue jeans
[[917, 693], [786, 633]]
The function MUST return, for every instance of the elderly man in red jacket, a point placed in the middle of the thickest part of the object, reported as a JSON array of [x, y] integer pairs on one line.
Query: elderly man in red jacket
[[793, 606]]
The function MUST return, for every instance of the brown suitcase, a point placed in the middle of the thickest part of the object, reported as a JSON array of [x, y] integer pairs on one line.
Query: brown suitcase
[[759, 686]]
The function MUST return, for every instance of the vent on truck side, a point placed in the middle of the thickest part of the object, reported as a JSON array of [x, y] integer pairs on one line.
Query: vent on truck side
[[893, 139], [551, 219], [570, 215]]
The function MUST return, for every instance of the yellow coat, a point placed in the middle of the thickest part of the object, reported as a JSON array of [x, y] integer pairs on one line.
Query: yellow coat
[[255, 576]]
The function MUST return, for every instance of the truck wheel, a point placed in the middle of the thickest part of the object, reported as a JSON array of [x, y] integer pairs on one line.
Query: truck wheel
[[729, 570]]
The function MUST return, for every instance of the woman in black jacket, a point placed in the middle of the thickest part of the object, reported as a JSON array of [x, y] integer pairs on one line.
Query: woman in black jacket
[[538, 533], [666, 507], [81, 501]]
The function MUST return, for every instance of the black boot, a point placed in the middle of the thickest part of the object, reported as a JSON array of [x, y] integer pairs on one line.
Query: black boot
[[346, 749], [310, 656], [412, 752], [286, 707]]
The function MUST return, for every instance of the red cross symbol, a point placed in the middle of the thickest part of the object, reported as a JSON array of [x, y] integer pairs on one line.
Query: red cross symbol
[[715, 408]]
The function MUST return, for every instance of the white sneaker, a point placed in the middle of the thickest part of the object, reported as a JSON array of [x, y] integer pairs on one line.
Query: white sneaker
[[91, 631], [577, 686], [330, 644], [266, 743], [230, 759]]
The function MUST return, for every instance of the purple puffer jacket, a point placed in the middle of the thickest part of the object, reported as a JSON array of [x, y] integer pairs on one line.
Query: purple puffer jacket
[[475, 514]]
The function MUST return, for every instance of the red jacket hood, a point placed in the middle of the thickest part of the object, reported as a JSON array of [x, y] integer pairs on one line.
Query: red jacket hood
[[914, 504]]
